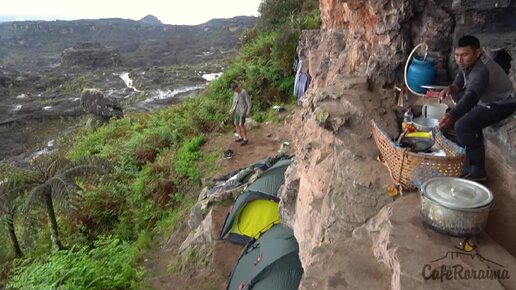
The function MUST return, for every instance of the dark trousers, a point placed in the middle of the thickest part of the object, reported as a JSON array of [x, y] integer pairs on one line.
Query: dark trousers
[[469, 127]]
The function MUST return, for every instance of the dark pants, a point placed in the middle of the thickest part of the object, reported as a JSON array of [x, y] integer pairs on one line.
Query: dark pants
[[469, 127]]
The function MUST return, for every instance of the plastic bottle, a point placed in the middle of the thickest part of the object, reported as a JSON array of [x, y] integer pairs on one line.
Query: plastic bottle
[[407, 124], [283, 148], [407, 117]]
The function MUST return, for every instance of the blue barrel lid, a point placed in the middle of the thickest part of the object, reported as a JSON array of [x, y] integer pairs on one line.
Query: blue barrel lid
[[428, 61]]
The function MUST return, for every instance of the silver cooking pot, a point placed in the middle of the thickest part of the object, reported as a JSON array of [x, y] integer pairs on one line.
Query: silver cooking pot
[[425, 124], [455, 206]]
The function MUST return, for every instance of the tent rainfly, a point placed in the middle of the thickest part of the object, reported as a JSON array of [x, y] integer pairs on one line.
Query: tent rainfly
[[256, 208], [269, 263]]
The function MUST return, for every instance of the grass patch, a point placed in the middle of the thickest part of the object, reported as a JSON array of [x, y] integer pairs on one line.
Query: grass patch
[[107, 266], [193, 258]]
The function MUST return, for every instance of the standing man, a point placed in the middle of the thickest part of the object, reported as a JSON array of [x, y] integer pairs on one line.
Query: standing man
[[483, 95], [241, 108]]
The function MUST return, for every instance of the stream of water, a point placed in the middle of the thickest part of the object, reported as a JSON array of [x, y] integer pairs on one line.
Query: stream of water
[[158, 99]]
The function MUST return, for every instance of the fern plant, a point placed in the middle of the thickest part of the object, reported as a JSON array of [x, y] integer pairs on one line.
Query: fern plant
[[13, 182], [56, 181]]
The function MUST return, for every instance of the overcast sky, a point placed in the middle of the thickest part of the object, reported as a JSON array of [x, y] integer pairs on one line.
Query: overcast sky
[[168, 11]]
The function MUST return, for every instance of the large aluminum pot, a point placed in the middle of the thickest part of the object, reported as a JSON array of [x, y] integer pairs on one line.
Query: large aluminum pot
[[425, 124], [454, 206]]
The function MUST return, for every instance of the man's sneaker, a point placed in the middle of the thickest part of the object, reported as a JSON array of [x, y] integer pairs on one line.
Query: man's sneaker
[[228, 154], [239, 140], [243, 143], [472, 177]]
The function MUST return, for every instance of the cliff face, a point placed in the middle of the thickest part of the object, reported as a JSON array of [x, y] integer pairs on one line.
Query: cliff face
[[373, 38], [335, 198]]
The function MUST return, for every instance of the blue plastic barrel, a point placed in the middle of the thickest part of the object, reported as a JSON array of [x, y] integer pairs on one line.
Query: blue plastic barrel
[[420, 73]]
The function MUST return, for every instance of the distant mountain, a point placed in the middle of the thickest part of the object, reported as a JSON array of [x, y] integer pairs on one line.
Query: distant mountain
[[6, 18], [151, 19], [144, 42]]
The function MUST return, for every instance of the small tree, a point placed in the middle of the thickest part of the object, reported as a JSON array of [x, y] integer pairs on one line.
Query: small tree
[[7, 212], [13, 182], [57, 181], [274, 13]]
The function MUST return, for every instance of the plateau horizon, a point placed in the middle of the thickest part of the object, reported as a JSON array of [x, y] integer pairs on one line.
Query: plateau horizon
[[171, 12]]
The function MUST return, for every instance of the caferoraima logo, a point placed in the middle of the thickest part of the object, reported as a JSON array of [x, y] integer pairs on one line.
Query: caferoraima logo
[[449, 267]]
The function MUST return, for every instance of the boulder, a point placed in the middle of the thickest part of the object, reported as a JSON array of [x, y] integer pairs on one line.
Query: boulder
[[91, 55], [201, 237], [93, 123], [251, 124], [93, 101], [393, 250]]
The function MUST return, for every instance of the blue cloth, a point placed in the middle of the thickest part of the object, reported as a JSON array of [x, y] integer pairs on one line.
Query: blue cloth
[[301, 81], [302, 85], [296, 79]]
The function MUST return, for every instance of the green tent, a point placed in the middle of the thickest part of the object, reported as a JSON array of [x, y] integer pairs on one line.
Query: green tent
[[256, 208], [268, 263], [271, 180]]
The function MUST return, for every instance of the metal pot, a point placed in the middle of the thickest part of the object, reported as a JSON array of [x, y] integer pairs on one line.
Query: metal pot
[[425, 124], [454, 206]]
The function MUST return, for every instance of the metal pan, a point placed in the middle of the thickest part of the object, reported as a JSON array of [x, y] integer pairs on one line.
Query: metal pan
[[425, 124]]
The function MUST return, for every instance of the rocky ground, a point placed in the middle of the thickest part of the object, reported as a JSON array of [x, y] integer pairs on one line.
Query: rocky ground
[[145, 65], [352, 235], [35, 107], [263, 142]]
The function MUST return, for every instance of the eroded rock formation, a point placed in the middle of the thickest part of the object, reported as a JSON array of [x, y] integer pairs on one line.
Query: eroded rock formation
[[95, 102], [91, 55], [351, 235]]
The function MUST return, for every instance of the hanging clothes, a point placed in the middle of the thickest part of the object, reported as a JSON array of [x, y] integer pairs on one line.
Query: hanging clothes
[[301, 81], [296, 80]]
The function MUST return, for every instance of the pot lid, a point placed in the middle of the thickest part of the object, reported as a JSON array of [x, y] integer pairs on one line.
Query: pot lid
[[457, 193]]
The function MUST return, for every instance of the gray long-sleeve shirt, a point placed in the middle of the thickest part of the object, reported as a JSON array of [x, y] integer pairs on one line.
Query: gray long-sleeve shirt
[[241, 103], [484, 83]]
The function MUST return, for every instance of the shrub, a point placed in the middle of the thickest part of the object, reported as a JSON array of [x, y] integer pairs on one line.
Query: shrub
[[311, 20], [107, 266], [284, 49], [274, 13], [186, 158]]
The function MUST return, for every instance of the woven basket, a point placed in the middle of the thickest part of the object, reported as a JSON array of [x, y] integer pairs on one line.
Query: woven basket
[[410, 169]]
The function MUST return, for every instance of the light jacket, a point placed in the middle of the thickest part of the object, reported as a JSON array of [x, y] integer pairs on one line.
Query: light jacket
[[484, 83], [241, 103]]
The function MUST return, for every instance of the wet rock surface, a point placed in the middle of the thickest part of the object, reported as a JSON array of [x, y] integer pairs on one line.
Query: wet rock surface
[[55, 94], [140, 43], [152, 66], [95, 102], [91, 55]]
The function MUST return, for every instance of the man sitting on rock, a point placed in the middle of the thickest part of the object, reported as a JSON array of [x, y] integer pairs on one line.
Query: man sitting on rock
[[241, 108], [483, 95]]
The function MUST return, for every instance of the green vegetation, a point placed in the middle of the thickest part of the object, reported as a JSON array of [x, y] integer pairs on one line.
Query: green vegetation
[[192, 257], [108, 265], [76, 85], [55, 181], [10, 193], [147, 169]]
